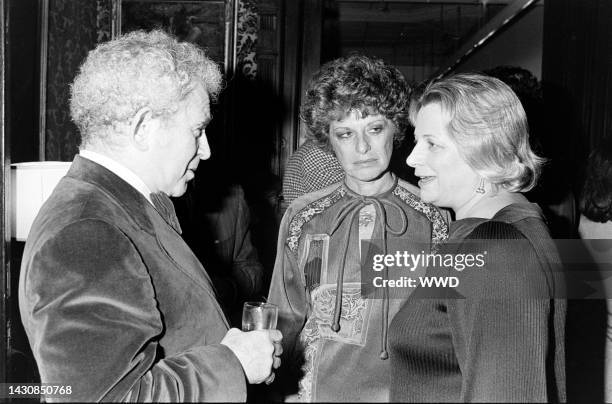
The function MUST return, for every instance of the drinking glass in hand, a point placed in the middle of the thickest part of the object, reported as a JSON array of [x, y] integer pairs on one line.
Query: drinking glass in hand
[[259, 316]]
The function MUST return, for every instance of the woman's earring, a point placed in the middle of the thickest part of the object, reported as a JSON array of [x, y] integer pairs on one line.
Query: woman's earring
[[481, 188]]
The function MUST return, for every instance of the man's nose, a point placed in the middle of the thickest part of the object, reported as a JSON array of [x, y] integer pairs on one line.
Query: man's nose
[[203, 147], [363, 145]]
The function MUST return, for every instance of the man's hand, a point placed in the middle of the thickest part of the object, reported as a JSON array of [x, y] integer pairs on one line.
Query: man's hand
[[257, 352]]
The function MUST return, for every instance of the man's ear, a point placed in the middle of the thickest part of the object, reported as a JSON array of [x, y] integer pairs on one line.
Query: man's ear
[[142, 127]]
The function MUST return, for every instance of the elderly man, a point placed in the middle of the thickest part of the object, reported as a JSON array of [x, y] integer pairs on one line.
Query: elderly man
[[114, 303]]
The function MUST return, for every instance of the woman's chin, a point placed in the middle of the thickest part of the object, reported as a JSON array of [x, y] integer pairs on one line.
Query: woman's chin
[[369, 184], [368, 175]]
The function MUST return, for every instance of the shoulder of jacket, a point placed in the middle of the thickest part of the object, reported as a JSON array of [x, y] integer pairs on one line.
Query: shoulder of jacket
[[308, 206], [410, 195]]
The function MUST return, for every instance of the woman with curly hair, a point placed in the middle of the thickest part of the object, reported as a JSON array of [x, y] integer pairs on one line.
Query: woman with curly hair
[[357, 108], [499, 335]]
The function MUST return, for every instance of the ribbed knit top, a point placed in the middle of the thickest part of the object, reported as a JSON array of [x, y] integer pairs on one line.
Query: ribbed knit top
[[487, 349]]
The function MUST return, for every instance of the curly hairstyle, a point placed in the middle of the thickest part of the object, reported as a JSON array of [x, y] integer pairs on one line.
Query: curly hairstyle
[[489, 126], [137, 70], [596, 198], [356, 82]]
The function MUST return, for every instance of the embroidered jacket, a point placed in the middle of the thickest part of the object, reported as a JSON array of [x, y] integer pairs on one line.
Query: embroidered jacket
[[338, 347]]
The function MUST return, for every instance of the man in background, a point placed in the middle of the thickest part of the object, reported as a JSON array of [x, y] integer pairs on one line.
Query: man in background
[[216, 222]]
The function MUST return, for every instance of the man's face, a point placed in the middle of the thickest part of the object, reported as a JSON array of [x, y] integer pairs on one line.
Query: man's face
[[180, 143]]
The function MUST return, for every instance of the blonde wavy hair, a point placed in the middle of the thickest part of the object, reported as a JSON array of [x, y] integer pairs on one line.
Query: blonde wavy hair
[[489, 126]]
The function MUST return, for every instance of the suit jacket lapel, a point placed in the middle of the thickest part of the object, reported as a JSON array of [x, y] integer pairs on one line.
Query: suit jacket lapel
[[147, 218]]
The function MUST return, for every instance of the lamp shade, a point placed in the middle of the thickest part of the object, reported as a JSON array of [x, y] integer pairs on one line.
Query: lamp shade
[[31, 185]]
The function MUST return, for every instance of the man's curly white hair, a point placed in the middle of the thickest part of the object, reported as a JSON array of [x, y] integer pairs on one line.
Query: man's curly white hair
[[137, 70]]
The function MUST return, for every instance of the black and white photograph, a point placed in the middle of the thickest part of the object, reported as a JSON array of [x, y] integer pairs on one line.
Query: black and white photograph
[[306, 201]]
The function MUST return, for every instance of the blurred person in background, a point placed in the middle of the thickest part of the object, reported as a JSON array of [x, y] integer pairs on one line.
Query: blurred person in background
[[595, 228], [216, 222], [309, 169]]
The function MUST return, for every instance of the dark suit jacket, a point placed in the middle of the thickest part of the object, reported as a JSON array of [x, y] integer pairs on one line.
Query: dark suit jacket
[[114, 302]]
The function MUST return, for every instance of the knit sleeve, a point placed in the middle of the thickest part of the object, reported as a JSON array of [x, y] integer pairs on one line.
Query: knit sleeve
[[501, 329]]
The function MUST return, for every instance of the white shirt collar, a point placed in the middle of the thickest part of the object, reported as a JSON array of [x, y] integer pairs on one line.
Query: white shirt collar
[[120, 170]]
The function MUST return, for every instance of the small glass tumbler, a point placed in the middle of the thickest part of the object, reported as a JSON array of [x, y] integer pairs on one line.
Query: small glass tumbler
[[259, 316]]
